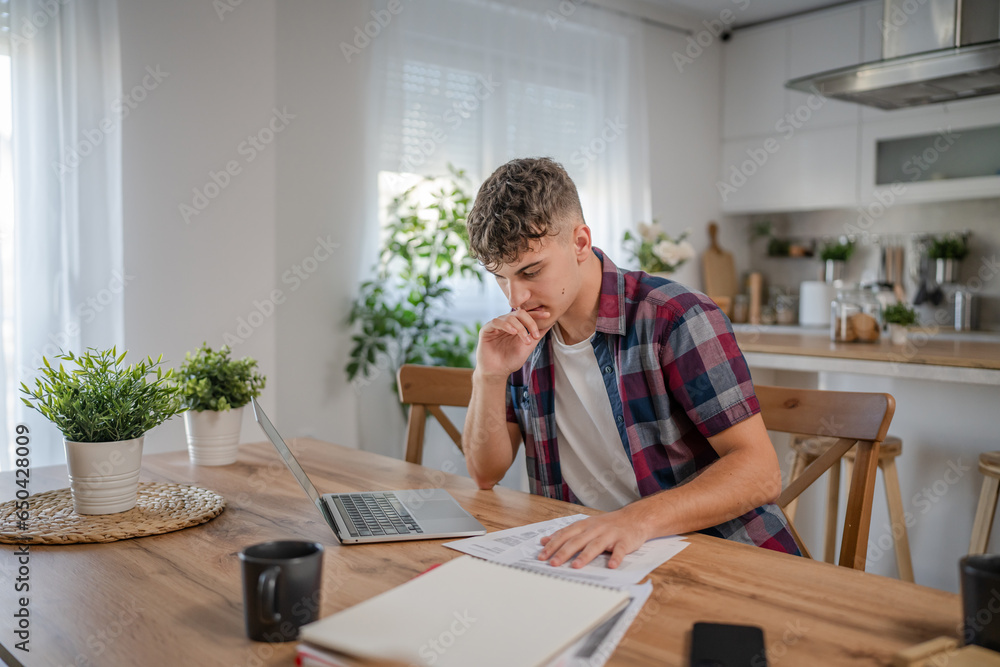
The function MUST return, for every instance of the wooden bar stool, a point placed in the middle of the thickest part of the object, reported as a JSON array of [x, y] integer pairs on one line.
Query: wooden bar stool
[[989, 465], [808, 449]]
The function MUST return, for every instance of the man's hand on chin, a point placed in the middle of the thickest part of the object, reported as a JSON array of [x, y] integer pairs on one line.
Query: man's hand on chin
[[617, 532]]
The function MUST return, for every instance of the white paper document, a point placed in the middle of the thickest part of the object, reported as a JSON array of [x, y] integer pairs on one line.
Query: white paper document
[[520, 547]]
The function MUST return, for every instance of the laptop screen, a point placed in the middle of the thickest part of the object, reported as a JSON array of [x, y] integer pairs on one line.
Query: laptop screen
[[285, 452]]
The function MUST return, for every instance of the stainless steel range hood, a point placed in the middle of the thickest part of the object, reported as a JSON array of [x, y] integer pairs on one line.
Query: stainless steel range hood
[[933, 51]]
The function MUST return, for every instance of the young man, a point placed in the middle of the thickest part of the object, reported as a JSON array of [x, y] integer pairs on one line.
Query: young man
[[629, 391]]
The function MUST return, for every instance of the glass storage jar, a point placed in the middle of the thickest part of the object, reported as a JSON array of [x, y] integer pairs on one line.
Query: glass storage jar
[[855, 317]]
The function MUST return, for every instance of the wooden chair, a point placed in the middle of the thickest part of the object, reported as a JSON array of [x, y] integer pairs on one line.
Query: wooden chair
[[808, 449], [854, 419], [426, 389], [989, 465]]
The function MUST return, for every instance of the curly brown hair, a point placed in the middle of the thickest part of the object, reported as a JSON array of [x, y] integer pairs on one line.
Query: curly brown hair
[[522, 201]]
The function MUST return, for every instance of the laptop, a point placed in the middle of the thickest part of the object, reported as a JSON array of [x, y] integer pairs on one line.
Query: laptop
[[379, 516]]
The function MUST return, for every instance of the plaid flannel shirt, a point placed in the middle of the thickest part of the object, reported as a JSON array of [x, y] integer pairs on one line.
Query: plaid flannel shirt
[[675, 377]]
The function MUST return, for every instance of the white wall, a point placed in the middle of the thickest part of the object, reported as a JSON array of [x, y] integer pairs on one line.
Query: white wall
[[195, 281], [685, 118], [192, 281], [321, 193]]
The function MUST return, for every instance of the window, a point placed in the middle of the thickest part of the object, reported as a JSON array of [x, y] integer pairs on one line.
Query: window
[[475, 83]]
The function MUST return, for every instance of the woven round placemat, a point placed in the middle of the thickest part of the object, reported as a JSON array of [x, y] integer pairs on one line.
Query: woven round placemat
[[161, 508]]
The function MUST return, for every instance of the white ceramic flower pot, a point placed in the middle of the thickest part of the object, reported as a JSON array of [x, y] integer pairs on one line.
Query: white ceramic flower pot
[[897, 333], [104, 476], [213, 436]]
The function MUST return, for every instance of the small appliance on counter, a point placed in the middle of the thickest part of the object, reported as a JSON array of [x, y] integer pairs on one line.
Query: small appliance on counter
[[815, 297]]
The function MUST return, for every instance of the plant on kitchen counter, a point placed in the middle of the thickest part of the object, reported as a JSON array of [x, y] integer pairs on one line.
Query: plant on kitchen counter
[[655, 250], [947, 247], [901, 314], [101, 400], [210, 380], [840, 251]]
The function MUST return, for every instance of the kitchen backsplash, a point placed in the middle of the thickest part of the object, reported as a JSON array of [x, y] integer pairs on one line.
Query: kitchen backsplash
[[980, 271]]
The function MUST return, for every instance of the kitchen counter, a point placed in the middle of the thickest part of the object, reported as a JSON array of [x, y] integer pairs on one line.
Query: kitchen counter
[[928, 355]]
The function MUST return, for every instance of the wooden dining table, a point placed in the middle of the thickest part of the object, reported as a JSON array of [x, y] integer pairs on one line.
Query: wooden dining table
[[176, 598]]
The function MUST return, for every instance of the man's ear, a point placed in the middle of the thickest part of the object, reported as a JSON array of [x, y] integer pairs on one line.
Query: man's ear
[[581, 242]]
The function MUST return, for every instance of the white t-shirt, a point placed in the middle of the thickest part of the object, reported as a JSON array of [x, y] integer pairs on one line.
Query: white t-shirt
[[591, 457]]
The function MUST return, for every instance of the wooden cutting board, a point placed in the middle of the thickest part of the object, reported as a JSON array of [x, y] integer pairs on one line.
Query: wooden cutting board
[[718, 268]]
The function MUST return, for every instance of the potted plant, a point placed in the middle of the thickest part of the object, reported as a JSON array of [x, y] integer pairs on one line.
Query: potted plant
[[401, 316], [214, 388], [835, 256], [656, 251], [898, 317], [103, 410], [947, 252]]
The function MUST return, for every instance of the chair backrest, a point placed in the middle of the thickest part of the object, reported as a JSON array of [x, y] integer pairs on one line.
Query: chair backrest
[[426, 389], [853, 418]]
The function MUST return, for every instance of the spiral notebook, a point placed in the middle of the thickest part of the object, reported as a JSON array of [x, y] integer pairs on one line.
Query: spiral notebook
[[469, 612]]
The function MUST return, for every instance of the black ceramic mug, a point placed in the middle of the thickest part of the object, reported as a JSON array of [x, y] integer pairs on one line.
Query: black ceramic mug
[[281, 588], [980, 577]]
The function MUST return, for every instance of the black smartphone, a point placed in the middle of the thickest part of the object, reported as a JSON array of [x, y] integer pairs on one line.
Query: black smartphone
[[721, 645]]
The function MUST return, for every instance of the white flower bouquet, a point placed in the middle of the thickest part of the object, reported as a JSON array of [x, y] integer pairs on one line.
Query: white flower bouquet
[[655, 250]]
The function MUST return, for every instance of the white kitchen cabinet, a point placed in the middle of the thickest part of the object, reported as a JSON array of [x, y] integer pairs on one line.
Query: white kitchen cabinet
[[753, 179], [945, 129], [815, 162], [818, 43], [810, 169], [829, 160], [754, 81], [823, 167]]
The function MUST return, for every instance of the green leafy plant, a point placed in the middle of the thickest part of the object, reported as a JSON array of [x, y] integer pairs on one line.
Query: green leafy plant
[[840, 251], [947, 247], [101, 400], [655, 250], [778, 247], [210, 380], [900, 313], [401, 315]]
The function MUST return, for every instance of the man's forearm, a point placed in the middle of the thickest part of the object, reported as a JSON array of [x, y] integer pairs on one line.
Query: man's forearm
[[486, 441], [730, 487]]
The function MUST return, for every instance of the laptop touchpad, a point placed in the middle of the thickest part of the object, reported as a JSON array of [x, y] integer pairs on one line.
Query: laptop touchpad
[[431, 510]]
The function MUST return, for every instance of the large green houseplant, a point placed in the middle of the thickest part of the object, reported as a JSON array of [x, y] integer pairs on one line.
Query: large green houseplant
[[103, 409], [401, 315], [214, 387]]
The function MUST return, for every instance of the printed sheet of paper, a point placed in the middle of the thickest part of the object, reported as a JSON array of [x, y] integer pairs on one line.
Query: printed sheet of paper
[[594, 649], [520, 547]]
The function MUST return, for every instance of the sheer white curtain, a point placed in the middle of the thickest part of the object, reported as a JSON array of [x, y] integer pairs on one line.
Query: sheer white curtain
[[68, 273], [477, 82]]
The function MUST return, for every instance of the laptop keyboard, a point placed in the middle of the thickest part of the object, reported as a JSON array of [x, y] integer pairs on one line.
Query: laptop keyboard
[[371, 514]]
